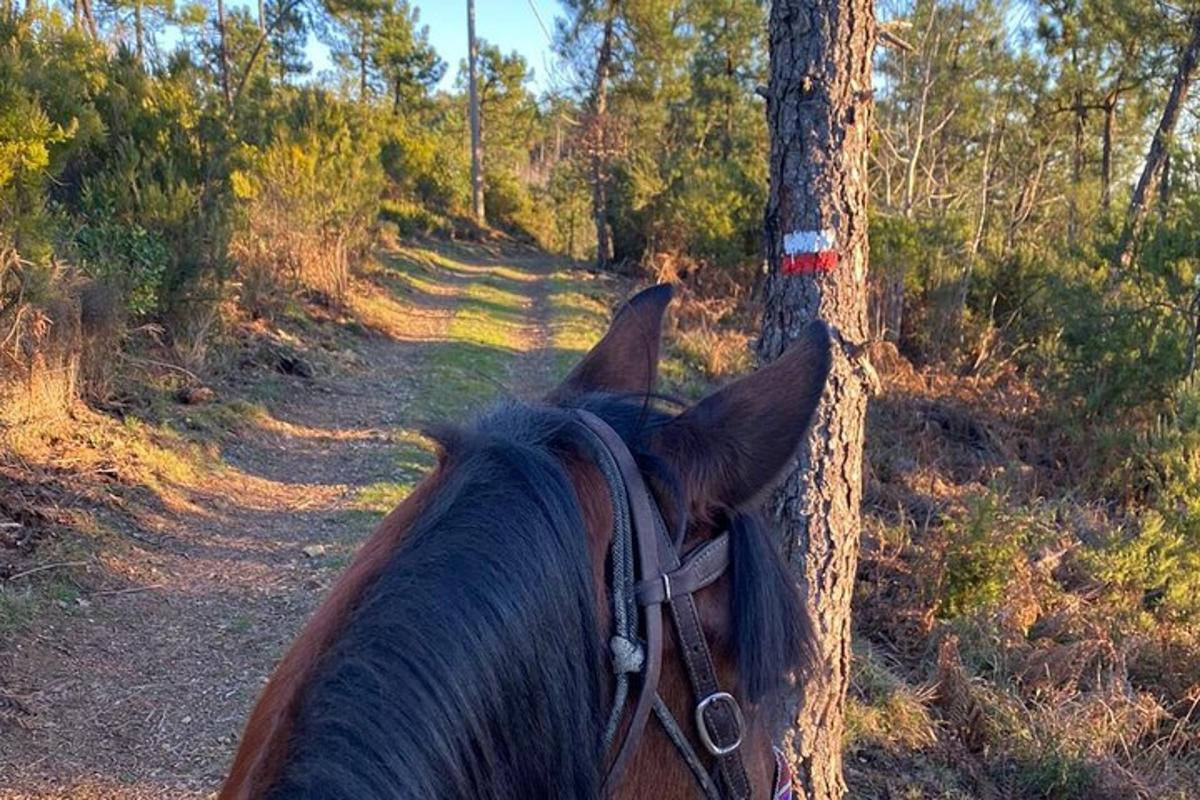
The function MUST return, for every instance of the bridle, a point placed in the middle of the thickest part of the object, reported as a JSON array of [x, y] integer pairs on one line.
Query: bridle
[[663, 578]]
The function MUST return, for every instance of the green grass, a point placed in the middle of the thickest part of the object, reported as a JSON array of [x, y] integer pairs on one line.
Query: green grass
[[579, 317], [29, 599], [222, 417], [473, 363], [413, 459], [382, 496], [19, 604]]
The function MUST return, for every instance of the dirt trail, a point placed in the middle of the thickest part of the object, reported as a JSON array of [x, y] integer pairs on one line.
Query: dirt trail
[[141, 693]]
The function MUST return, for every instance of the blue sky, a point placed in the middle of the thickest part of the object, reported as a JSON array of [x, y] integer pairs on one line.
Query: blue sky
[[511, 24]]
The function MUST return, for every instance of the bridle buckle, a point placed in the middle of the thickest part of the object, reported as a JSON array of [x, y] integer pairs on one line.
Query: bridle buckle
[[710, 742]]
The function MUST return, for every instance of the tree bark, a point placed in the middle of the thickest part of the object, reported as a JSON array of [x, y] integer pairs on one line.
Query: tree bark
[[1080, 118], [363, 58], [476, 135], [1156, 158], [139, 31], [89, 18], [600, 145], [1164, 189], [1110, 124], [819, 112]]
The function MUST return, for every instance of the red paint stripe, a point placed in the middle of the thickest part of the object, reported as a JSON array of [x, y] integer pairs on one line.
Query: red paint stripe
[[804, 263]]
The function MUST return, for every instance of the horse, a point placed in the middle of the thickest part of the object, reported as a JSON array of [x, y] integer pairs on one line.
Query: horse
[[500, 634]]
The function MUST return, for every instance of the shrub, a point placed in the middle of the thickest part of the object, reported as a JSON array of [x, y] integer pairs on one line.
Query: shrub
[[413, 219], [507, 201], [308, 203], [422, 167], [1158, 556], [127, 257], [980, 560]]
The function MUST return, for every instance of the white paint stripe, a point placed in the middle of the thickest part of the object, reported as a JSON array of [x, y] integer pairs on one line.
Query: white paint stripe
[[809, 241]]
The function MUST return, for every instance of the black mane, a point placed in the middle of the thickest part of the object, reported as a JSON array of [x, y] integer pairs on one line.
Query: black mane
[[473, 667]]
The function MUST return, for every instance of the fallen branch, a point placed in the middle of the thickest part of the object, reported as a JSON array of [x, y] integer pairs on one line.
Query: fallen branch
[[150, 362], [129, 590], [44, 567]]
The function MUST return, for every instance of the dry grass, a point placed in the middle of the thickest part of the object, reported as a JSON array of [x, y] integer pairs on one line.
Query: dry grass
[[1045, 684]]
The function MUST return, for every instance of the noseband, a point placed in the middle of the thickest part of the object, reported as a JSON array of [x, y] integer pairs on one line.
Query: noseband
[[663, 576]]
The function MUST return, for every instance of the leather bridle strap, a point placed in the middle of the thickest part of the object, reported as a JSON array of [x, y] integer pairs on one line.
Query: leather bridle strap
[[702, 567], [642, 514], [717, 715]]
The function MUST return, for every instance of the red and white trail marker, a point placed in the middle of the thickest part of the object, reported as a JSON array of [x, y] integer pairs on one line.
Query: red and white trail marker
[[809, 251]]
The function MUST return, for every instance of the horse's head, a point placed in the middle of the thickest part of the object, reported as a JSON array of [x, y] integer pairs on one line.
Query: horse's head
[[466, 650], [708, 466]]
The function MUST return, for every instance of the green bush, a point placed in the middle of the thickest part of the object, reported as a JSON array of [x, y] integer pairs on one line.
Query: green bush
[[982, 552], [507, 201], [1158, 556], [127, 257], [308, 202], [425, 165], [413, 219]]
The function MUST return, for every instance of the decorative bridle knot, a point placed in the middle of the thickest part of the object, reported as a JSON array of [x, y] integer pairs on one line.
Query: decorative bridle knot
[[627, 655]]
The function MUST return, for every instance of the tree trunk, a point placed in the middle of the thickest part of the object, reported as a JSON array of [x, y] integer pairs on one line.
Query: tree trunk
[[223, 55], [984, 190], [476, 133], [89, 18], [929, 43], [363, 57], [1110, 124], [1164, 189], [1080, 119], [819, 110], [1135, 218], [139, 32], [727, 132], [600, 145]]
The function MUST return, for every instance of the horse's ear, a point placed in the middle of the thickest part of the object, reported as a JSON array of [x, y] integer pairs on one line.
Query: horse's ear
[[625, 361], [733, 444]]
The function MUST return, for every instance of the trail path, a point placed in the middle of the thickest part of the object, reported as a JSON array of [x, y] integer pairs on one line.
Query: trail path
[[142, 693]]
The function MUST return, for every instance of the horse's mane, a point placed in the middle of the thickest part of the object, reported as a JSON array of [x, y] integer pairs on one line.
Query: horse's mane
[[473, 664]]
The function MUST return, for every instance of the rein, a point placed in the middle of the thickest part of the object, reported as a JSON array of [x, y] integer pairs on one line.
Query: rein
[[666, 579]]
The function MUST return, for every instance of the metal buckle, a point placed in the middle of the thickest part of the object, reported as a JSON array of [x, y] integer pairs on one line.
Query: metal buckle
[[702, 724]]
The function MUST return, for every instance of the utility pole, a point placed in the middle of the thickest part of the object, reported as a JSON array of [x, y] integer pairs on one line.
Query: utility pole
[[476, 144]]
